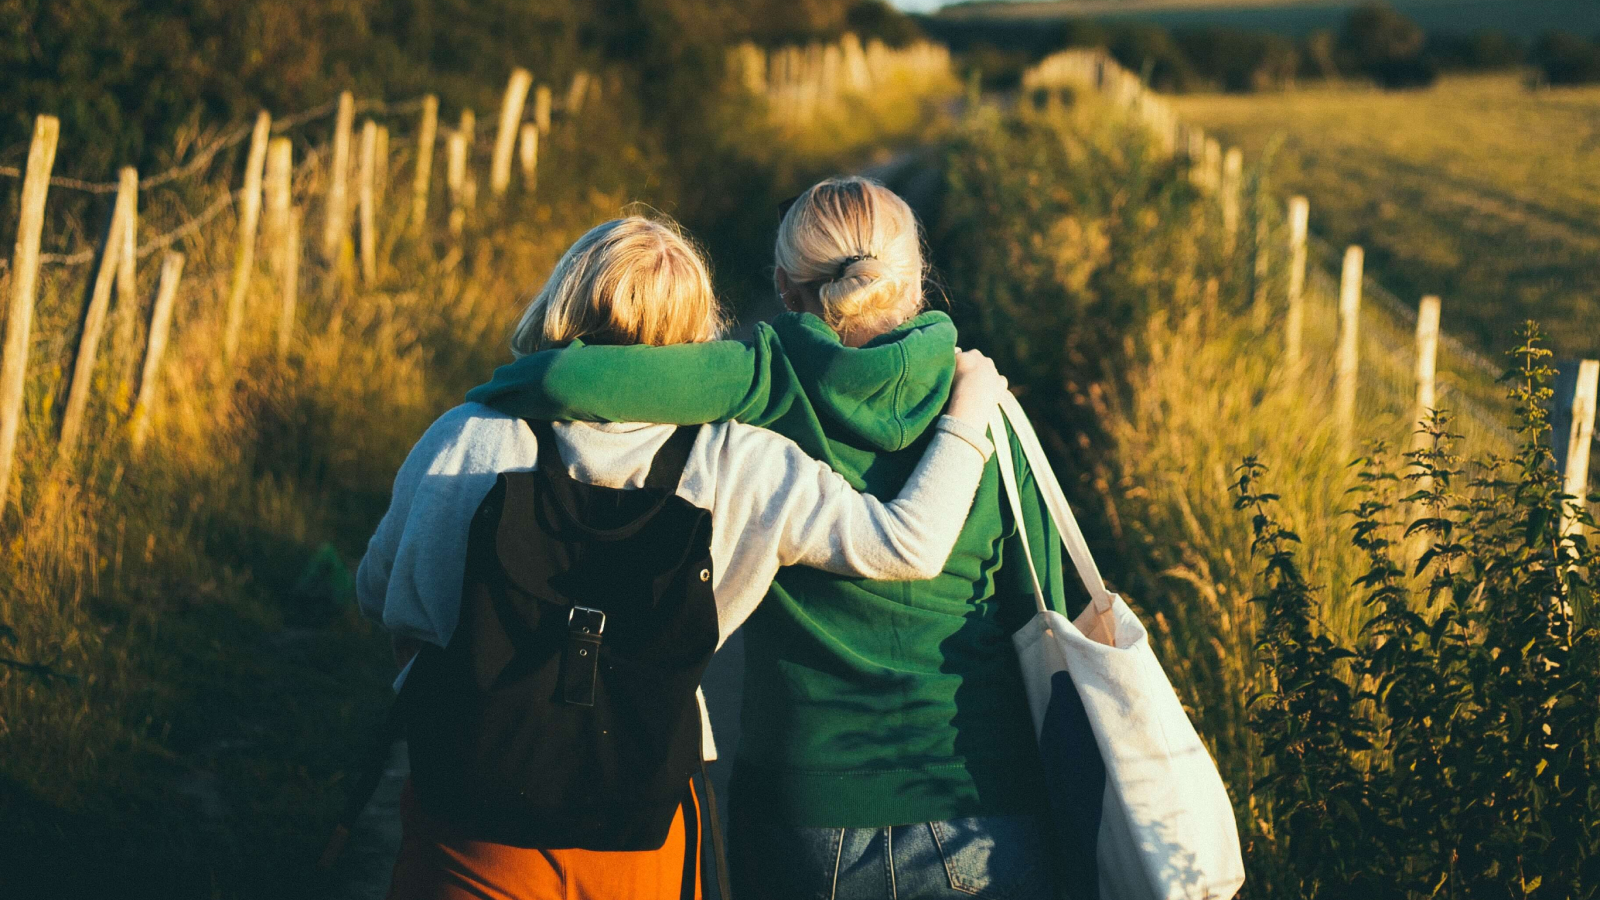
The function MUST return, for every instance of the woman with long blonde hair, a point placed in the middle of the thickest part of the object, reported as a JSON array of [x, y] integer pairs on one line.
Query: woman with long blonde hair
[[496, 523], [887, 749]]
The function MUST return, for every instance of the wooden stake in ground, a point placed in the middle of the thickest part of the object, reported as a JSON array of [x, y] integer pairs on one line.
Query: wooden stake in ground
[[1232, 184], [127, 305], [1294, 320], [24, 282], [338, 204], [455, 175], [380, 171], [505, 138], [1349, 348], [1427, 362], [94, 318], [541, 108], [369, 240], [1263, 267], [1576, 482], [160, 325], [249, 220], [1212, 172], [469, 131], [577, 93], [426, 137], [278, 190], [528, 151], [289, 273]]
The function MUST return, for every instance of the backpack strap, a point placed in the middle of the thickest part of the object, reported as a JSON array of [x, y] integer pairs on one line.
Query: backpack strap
[[667, 468], [550, 461]]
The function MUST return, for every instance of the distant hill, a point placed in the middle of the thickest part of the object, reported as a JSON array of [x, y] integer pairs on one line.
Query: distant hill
[[1526, 18]]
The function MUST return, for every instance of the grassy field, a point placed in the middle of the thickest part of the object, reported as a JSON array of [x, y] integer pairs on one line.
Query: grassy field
[[1477, 190]]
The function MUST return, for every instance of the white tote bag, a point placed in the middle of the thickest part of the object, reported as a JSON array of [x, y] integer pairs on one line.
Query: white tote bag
[[1140, 807]]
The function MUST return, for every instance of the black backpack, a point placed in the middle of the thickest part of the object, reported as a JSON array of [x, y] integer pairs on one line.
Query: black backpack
[[563, 714]]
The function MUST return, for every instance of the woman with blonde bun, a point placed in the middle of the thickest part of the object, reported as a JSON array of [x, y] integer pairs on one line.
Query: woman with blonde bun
[[886, 749], [499, 525]]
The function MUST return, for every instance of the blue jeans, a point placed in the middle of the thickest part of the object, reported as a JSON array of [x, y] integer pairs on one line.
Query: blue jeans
[[991, 858]]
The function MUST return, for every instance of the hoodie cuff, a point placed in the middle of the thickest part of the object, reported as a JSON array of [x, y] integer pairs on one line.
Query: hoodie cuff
[[972, 434]]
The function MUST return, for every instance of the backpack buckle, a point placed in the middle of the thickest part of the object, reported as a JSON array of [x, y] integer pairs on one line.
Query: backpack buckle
[[593, 621], [580, 659]]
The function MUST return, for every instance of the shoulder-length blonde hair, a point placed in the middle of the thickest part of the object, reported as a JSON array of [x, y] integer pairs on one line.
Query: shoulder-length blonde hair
[[627, 281], [857, 244]]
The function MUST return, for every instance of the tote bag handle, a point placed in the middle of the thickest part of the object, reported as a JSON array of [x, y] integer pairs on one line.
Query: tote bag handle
[[1055, 500]]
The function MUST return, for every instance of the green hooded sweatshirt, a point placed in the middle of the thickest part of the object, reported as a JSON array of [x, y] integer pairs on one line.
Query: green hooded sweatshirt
[[866, 703]]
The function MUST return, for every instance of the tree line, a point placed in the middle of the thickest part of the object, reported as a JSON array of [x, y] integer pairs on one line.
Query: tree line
[[1375, 42], [138, 81]]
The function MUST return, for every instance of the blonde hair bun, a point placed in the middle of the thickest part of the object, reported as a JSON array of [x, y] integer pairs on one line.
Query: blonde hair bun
[[866, 291], [857, 243]]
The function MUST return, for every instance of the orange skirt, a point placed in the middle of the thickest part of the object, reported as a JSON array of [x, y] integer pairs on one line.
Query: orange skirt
[[436, 864]]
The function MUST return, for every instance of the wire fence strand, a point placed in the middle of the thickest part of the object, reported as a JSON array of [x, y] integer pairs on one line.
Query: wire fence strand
[[232, 138], [148, 247]]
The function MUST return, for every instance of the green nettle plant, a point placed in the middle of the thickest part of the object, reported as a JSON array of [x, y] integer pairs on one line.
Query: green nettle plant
[[1454, 750]]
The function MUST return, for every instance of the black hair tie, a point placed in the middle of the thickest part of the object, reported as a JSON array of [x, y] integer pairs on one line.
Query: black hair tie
[[848, 262]]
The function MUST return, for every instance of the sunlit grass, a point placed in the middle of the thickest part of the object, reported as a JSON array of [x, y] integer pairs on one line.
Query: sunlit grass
[[1477, 189]]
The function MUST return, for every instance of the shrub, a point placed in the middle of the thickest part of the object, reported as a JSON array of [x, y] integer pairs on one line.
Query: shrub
[[1477, 52], [1387, 47], [1452, 750], [870, 19], [1564, 58], [1241, 60]]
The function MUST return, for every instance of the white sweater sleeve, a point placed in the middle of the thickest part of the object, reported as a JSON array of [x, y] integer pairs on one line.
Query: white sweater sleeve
[[410, 577], [772, 505]]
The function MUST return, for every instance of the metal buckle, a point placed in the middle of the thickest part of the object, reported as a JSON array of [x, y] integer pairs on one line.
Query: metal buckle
[[594, 620]]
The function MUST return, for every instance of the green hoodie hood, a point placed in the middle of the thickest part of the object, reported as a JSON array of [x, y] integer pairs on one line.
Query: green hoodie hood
[[884, 394]]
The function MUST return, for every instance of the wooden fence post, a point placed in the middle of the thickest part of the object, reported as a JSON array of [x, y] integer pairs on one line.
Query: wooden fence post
[[333, 223], [528, 149], [24, 282], [289, 272], [541, 108], [1581, 437], [505, 139], [278, 190], [469, 132], [1232, 178], [127, 285], [249, 221], [578, 93], [160, 324], [1427, 361], [94, 319], [1211, 172], [1294, 321], [369, 164], [380, 172], [426, 138], [1263, 267], [1349, 348], [455, 175]]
